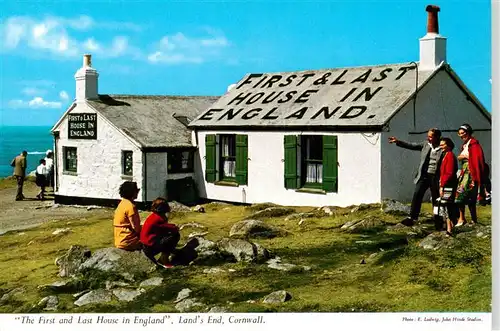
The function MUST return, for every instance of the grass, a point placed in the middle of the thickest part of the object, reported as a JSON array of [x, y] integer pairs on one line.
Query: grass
[[401, 277]]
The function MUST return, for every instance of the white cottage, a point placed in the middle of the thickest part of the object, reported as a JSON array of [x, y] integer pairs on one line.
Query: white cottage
[[103, 140], [320, 137]]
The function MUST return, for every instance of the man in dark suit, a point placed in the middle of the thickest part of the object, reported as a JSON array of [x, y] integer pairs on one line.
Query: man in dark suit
[[427, 176], [19, 163]]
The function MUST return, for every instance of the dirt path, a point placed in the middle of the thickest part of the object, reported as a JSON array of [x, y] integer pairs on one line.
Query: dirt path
[[17, 215]]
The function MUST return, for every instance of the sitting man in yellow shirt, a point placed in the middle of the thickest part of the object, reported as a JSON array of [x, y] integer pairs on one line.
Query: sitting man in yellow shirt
[[127, 223]]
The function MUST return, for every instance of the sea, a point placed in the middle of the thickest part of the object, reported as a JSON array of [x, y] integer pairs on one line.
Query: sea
[[36, 140]]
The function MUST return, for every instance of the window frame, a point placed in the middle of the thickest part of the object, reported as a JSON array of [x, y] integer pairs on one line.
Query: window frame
[[66, 150], [174, 164], [232, 149], [124, 160], [303, 161]]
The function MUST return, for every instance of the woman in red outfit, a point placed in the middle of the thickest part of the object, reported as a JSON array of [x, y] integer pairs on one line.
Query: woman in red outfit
[[472, 174], [159, 236], [448, 182]]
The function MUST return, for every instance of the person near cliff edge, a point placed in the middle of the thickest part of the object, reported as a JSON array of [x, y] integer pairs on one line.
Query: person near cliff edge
[[19, 163], [427, 176], [49, 164]]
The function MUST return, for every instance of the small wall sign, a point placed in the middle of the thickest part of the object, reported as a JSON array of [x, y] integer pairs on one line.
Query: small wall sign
[[82, 126]]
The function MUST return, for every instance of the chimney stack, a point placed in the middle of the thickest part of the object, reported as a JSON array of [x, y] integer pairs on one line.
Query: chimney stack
[[86, 81], [432, 45], [432, 19]]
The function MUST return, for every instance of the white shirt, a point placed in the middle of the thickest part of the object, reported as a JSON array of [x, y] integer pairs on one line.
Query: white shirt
[[49, 163], [465, 151], [42, 170]]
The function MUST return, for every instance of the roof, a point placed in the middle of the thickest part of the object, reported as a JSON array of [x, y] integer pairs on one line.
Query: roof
[[344, 97], [150, 120]]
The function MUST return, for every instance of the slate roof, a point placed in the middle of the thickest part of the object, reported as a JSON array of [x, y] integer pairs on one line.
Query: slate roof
[[150, 120], [344, 97]]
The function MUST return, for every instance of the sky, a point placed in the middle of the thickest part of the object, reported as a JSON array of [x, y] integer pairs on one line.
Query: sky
[[200, 48]]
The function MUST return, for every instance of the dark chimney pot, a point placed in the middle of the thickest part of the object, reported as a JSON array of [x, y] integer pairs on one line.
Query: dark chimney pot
[[432, 19]]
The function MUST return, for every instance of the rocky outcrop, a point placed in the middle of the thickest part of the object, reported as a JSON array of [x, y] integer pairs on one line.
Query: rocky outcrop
[[243, 250], [253, 229], [94, 297], [394, 207], [436, 241], [277, 297], [70, 262], [128, 265], [272, 212]]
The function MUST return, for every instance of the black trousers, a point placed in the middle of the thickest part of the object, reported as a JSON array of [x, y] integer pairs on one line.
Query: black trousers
[[165, 244], [425, 182]]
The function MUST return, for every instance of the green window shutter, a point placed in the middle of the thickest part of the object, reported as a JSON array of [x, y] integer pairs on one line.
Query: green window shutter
[[210, 164], [242, 159], [291, 175], [330, 161]]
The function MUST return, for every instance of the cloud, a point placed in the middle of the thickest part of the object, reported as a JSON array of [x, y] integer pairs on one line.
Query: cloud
[[55, 35], [178, 48], [35, 103], [30, 91], [64, 95]]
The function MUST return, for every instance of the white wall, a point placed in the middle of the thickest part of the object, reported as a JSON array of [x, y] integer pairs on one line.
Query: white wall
[[442, 104], [99, 167], [358, 174], [156, 172]]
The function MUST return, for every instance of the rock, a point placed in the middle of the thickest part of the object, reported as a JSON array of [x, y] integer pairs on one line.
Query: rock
[[49, 303], [372, 256], [435, 241], [198, 209], [250, 301], [178, 207], [364, 242], [79, 294], [327, 210], [56, 205], [61, 285], [277, 297], [218, 309], [242, 250], [128, 265], [253, 229], [197, 234], [349, 224], [299, 216], [154, 281], [260, 206], [128, 295], [370, 223], [187, 305], [192, 225], [262, 254], [21, 233], [110, 285], [394, 207], [70, 262], [204, 245], [93, 297], [271, 212], [183, 294], [278, 265], [213, 271], [61, 231], [301, 221]]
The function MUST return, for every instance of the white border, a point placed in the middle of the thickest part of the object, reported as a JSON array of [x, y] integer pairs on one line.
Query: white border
[[495, 86]]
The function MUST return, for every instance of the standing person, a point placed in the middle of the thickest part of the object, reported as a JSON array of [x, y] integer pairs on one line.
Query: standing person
[[448, 182], [159, 236], [41, 179], [19, 163], [427, 176], [126, 222], [49, 164], [472, 174]]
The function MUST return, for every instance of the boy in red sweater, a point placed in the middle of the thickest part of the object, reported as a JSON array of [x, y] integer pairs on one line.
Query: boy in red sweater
[[159, 236]]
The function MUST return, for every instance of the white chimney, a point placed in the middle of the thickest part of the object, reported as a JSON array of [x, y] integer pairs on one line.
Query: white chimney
[[432, 45], [86, 80]]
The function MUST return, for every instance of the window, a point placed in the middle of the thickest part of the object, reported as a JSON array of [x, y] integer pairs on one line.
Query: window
[[227, 156], [70, 159], [226, 159], [180, 161], [311, 162], [127, 158]]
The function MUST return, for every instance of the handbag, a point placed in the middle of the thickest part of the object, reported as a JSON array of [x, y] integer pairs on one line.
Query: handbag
[[448, 197]]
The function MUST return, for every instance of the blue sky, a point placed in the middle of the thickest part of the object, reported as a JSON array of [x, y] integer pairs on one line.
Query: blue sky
[[199, 48]]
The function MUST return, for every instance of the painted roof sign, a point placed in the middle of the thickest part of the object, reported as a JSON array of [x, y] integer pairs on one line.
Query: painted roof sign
[[361, 96]]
